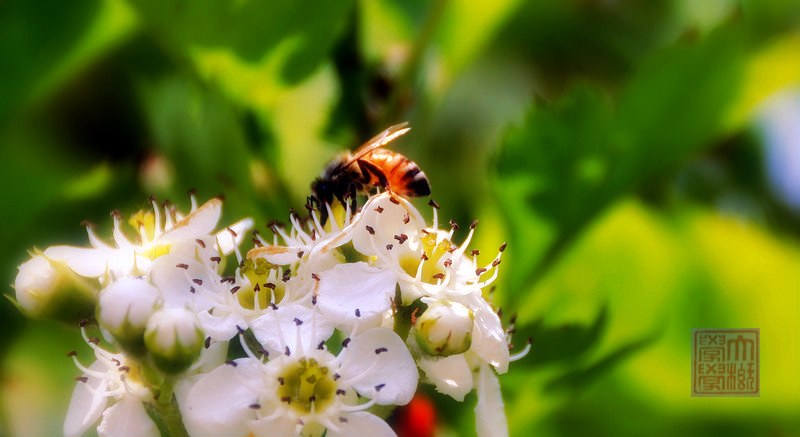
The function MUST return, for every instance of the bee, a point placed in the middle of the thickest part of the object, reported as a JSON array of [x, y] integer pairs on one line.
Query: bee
[[370, 165]]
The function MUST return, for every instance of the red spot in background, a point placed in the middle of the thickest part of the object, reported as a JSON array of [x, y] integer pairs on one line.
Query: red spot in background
[[417, 419]]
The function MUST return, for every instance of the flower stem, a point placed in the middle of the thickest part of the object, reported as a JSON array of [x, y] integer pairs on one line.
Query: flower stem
[[165, 413]]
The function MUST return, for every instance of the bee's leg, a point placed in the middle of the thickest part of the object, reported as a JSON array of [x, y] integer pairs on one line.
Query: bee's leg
[[352, 193], [375, 171]]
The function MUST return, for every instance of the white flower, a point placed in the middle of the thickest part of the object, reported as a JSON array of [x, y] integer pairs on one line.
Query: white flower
[[174, 339], [157, 236], [125, 306], [48, 289], [304, 388], [110, 391]]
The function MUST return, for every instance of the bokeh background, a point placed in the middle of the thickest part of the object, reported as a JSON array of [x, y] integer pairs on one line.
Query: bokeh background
[[641, 158]]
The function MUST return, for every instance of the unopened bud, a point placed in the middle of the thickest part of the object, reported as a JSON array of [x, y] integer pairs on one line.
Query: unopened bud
[[47, 289], [174, 339], [125, 307], [445, 328]]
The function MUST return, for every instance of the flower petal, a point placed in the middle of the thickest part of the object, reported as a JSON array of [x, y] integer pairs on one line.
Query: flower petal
[[127, 418], [292, 325], [386, 220], [199, 222], [230, 238], [90, 263], [355, 290], [278, 255], [490, 416], [219, 403], [381, 367], [488, 335], [451, 375], [277, 426], [361, 423], [86, 405]]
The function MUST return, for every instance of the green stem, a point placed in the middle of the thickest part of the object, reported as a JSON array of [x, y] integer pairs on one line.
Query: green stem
[[165, 413]]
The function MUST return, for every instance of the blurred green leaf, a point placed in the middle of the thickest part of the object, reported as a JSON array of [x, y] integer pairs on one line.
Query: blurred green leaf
[[47, 42], [571, 159], [252, 30]]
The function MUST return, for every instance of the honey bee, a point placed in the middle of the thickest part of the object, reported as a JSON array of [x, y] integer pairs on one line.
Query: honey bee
[[370, 165]]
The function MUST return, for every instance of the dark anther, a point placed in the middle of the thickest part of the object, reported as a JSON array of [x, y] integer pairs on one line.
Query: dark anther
[[312, 398], [201, 243], [239, 329], [389, 247], [342, 419], [256, 288], [448, 262], [358, 312], [192, 290], [479, 271], [287, 352], [314, 277], [314, 299], [379, 387], [300, 254], [231, 363], [297, 321], [453, 225], [83, 323], [313, 235], [424, 257], [182, 266], [116, 214], [230, 279], [381, 350], [370, 230], [270, 285], [406, 219], [286, 399], [255, 406], [473, 224], [82, 379], [216, 259], [341, 392], [198, 281], [125, 369], [401, 238], [500, 313], [207, 343], [345, 342], [379, 209], [433, 204], [321, 345], [503, 247], [116, 362], [94, 340], [235, 289], [496, 262], [336, 376], [474, 252], [87, 224], [191, 192], [287, 274], [281, 381], [72, 353], [273, 306], [394, 200], [232, 232], [438, 276]]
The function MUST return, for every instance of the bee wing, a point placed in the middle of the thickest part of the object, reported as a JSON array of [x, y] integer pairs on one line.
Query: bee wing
[[387, 136]]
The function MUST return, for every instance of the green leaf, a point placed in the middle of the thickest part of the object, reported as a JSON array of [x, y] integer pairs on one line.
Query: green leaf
[[573, 158]]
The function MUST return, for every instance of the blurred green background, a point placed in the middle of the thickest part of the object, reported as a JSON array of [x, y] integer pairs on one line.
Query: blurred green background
[[641, 158]]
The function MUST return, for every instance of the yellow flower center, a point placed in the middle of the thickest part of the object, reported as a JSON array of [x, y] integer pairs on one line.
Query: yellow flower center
[[305, 384], [261, 285], [434, 252]]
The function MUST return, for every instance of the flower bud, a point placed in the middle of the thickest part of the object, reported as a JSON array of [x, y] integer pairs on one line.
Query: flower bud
[[125, 307], [48, 289], [444, 329], [174, 339]]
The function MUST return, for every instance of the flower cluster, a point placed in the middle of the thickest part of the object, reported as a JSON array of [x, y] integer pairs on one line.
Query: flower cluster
[[307, 334]]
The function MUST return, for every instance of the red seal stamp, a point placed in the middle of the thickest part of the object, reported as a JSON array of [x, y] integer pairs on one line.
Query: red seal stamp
[[725, 362]]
